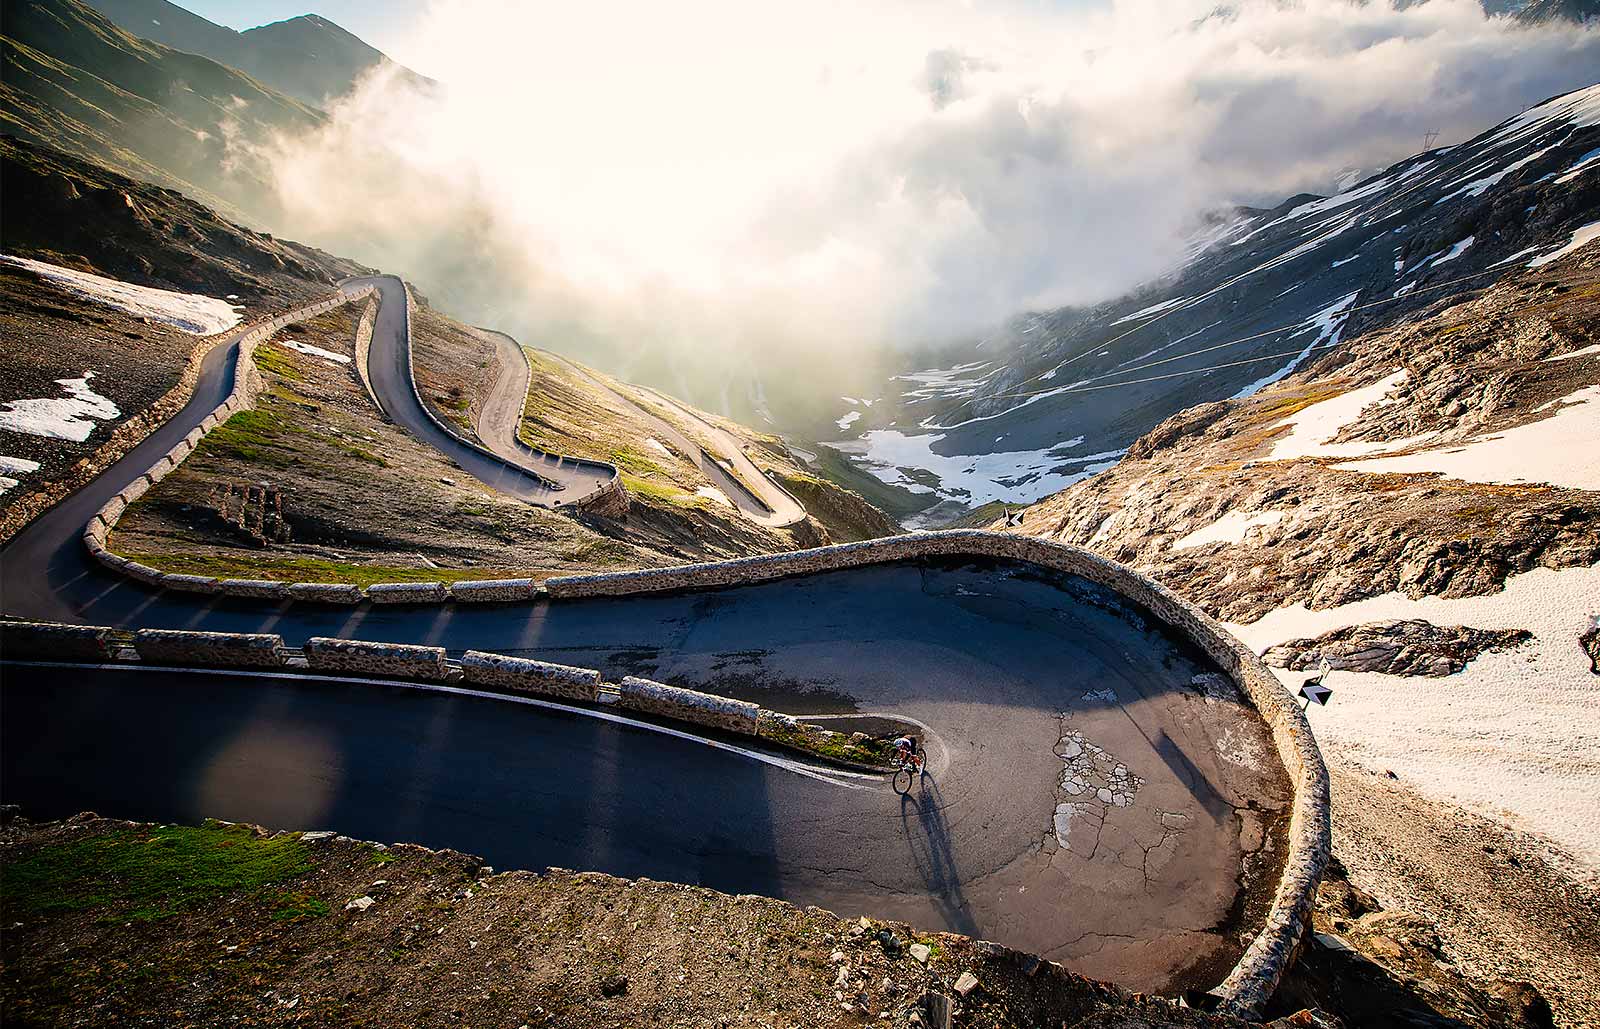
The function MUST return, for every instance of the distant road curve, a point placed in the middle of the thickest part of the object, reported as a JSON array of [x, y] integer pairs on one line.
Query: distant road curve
[[770, 506], [546, 480], [501, 419]]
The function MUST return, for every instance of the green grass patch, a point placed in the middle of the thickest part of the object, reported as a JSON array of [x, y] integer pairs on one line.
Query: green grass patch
[[256, 435], [256, 565], [839, 746], [635, 463], [276, 362], [298, 907], [147, 875], [661, 491]]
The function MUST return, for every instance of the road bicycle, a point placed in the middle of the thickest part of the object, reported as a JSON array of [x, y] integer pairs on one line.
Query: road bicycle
[[906, 770]]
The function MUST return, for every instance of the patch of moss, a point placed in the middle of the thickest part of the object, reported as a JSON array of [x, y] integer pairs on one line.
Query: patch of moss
[[255, 435], [147, 875], [644, 488], [269, 359], [256, 565], [298, 907]]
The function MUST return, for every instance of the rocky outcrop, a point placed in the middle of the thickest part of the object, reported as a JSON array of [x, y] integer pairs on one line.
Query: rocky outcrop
[[1409, 647], [1590, 642]]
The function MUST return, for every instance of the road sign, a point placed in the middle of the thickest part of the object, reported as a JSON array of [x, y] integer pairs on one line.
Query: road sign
[[1315, 692], [1013, 518]]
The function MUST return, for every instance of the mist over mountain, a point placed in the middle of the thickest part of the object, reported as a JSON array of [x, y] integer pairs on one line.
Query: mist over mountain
[[308, 57]]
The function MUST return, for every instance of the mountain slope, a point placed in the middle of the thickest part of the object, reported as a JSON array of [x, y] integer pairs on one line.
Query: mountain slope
[[75, 82], [1056, 395], [309, 57]]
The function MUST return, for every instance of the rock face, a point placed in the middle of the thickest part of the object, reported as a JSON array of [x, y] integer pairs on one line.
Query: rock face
[[1410, 647], [1590, 642]]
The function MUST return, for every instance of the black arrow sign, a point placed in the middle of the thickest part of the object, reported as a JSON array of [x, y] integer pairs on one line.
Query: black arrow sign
[[1315, 692]]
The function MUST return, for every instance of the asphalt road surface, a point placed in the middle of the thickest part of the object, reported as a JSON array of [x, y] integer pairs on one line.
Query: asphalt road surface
[[501, 418], [389, 368], [1027, 680]]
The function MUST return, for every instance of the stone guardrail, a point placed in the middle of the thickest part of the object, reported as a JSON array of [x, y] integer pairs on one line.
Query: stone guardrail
[[608, 499], [657, 698], [246, 387], [1251, 982], [400, 660], [49, 641], [227, 649], [364, 328], [528, 676]]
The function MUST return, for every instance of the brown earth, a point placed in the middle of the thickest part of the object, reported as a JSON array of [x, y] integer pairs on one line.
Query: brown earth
[[259, 929]]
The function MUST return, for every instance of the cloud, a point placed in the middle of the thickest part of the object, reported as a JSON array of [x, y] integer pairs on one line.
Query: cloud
[[714, 183]]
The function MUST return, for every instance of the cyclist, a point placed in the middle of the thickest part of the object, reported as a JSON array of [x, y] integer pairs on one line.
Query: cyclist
[[905, 749]]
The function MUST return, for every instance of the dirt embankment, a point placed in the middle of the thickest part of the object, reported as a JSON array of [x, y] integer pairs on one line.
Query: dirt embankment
[[119, 923]]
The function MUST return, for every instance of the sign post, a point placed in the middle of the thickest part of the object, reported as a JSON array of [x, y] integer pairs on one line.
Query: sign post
[[1313, 689]]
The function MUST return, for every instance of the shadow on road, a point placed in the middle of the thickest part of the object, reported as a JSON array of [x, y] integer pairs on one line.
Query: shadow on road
[[928, 838], [1199, 785]]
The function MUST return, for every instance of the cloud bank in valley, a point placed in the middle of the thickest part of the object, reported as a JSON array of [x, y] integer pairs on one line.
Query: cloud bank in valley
[[725, 180]]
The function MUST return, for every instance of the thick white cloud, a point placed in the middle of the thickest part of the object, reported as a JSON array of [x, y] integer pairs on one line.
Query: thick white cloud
[[733, 178]]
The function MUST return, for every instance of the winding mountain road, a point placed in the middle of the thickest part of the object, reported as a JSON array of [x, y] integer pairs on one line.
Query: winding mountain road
[[759, 500], [1092, 799], [539, 478]]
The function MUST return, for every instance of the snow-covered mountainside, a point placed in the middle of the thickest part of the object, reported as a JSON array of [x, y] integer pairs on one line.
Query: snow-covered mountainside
[[1058, 395]]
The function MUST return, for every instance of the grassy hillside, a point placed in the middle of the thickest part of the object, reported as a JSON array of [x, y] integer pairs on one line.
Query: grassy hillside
[[76, 82], [309, 57]]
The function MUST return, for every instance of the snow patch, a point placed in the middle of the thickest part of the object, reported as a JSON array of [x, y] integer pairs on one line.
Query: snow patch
[[69, 417], [187, 312], [1328, 322], [1517, 733], [315, 351], [1455, 251], [10, 467], [1579, 238], [1230, 528], [848, 420], [1585, 352], [1312, 427], [1560, 450], [712, 493], [1018, 476]]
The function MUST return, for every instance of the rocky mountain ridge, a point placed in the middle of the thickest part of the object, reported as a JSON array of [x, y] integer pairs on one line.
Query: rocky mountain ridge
[[1262, 293]]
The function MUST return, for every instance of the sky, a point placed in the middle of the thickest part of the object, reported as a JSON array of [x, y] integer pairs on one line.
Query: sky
[[737, 180]]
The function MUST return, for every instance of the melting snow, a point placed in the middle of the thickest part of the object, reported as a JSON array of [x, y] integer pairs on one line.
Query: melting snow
[[1579, 238], [956, 381], [1152, 309], [1018, 476], [1230, 528], [1328, 322], [315, 351], [1559, 450], [1455, 251], [1517, 732], [1312, 427], [188, 312], [70, 417], [849, 419], [1580, 166], [14, 466], [1585, 352]]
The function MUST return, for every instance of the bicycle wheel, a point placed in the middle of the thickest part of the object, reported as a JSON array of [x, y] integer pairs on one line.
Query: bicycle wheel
[[903, 777]]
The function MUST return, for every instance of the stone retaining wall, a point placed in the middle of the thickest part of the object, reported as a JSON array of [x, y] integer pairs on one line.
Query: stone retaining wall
[[1253, 979], [493, 591], [401, 660], [369, 319], [528, 676], [213, 649], [656, 698], [55, 642]]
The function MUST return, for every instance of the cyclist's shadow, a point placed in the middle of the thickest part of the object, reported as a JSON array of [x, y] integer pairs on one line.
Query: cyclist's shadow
[[922, 818]]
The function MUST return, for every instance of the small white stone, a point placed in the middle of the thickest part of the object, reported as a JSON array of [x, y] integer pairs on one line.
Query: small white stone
[[920, 951]]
